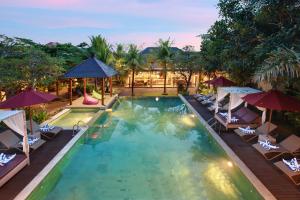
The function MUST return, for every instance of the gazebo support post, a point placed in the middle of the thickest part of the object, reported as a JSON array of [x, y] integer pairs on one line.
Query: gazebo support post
[[57, 87], [84, 86], [70, 91], [102, 93], [110, 86], [95, 84]]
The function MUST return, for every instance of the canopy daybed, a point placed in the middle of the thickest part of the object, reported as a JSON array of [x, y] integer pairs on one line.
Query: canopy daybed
[[15, 120], [239, 118]]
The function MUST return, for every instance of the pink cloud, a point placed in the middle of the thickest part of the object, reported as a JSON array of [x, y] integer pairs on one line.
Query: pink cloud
[[182, 11], [143, 40]]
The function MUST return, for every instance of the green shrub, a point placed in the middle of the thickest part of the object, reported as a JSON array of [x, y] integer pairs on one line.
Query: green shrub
[[40, 116]]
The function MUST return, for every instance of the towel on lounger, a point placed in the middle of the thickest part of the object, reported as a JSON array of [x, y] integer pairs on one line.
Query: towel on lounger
[[46, 128], [247, 130], [31, 140], [292, 164], [6, 158], [267, 145]]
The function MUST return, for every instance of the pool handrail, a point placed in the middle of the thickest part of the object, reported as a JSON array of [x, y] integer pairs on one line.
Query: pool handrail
[[78, 127]]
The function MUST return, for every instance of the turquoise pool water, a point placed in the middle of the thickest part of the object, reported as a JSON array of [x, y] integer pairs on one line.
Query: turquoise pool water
[[69, 119], [146, 150]]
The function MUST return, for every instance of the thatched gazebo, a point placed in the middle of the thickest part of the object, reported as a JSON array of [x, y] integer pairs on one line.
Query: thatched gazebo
[[91, 68]]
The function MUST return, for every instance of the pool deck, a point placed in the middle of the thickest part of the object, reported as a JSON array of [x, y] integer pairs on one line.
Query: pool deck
[[273, 179], [108, 101], [38, 160]]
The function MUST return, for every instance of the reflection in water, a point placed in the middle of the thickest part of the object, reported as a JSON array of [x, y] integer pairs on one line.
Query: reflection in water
[[220, 180]]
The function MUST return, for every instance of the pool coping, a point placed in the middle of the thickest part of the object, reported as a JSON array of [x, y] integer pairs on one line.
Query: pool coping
[[25, 193], [259, 186]]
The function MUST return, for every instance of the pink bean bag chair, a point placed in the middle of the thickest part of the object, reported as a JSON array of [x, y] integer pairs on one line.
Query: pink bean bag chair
[[89, 100]]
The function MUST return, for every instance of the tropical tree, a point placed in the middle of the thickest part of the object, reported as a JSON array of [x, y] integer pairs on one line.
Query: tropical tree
[[165, 55], [281, 62], [187, 63], [101, 49], [134, 62], [119, 55], [34, 69]]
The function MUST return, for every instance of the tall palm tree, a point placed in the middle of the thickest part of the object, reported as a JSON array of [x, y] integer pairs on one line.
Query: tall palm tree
[[119, 55], [101, 49], [282, 62], [133, 62], [164, 55]]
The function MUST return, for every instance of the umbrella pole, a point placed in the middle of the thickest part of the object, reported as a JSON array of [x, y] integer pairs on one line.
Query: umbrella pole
[[110, 86], [30, 118], [102, 99], [270, 119]]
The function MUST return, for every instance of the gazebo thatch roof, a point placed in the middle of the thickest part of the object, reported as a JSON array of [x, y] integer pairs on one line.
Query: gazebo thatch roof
[[91, 68]]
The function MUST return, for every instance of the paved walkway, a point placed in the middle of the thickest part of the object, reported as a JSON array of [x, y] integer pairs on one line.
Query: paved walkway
[[275, 181]]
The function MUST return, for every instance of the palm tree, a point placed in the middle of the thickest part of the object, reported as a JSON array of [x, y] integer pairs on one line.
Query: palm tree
[[282, 62], [101, 49], [133, 62], [119, 61], [164, 55]]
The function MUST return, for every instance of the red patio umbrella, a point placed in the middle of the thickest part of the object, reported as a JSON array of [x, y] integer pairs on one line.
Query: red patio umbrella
[[27, 98], [220, 82], [273, 100]]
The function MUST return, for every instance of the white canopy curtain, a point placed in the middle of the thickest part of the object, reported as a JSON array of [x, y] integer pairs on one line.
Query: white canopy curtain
[[236, 94], [16, 120]]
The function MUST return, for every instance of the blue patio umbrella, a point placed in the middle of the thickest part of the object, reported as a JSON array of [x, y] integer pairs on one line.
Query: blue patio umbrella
[[91, 68]]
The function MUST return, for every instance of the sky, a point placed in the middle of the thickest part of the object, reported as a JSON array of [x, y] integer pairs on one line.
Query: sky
[[141, 22]]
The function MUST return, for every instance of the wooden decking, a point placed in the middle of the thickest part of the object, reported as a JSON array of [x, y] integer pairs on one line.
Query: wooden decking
[[108, 100], [38, 160], [274, 180]]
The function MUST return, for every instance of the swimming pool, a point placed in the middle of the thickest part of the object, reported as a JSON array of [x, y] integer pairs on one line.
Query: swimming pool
[[71, 117], [146, 149]]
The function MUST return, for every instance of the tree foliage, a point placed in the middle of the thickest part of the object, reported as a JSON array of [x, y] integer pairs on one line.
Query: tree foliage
[[254, 38]]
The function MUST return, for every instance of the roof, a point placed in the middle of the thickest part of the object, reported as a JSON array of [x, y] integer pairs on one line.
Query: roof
[[239, 90], [90, 68], [4, 114]]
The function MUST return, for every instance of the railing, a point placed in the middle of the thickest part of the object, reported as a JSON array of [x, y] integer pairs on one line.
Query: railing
[[76, 127]]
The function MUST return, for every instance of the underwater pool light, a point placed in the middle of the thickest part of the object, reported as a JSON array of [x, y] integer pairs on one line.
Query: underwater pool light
[[229, 164], [156, 99]]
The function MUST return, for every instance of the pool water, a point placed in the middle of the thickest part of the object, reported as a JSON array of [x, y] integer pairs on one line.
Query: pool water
[[146, 150], [69, 119]]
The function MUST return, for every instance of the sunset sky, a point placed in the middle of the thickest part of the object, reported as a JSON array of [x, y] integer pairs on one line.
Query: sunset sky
[[141, 22]]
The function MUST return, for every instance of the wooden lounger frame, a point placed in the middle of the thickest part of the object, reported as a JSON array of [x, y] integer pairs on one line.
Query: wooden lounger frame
[[227, 125]]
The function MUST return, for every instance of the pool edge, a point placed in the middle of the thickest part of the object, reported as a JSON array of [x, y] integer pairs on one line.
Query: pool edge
[[259, 186]]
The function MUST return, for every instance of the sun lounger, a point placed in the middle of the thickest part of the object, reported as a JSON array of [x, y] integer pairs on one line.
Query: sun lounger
[[8, 170], [293, 175], [241, 118], [291, 145], [221, 107], [47, 133], [251, 135], [210, 100], [11, 141]]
